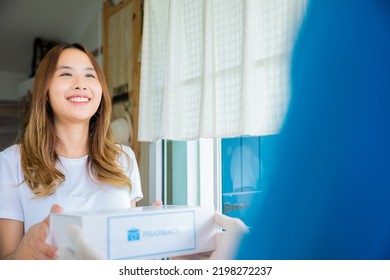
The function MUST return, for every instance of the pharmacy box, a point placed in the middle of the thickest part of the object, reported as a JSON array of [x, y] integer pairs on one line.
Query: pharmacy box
[[141, 232]]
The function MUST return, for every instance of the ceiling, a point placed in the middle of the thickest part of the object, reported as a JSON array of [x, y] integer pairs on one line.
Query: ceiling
[[21, 21]]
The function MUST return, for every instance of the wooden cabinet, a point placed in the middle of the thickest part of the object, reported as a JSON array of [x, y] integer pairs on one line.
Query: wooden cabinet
[[121, 47]]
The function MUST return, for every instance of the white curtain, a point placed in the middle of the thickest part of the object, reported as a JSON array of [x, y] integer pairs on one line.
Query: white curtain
[[215, 68]]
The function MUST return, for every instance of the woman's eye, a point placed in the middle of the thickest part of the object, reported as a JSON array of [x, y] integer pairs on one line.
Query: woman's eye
[[65, 75], [90, 76]]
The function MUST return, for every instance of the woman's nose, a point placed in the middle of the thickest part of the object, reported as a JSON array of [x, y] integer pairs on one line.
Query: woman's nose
[[79, 83]]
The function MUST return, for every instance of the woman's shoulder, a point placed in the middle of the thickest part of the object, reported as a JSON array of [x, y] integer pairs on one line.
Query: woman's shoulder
[[127, 157], [126, 149], [12, 152], [10, 160]]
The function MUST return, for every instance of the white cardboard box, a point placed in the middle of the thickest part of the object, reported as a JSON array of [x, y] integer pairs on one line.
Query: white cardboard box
[[141, 232]]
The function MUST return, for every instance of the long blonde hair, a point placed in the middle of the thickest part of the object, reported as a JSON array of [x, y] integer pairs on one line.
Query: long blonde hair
[[38, 142]]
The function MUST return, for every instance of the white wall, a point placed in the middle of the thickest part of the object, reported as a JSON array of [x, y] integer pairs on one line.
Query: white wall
[[9, 82], [15, 85]]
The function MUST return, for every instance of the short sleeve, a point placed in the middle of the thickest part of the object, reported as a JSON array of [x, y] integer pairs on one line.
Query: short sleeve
[[10, 202], [131, 168]]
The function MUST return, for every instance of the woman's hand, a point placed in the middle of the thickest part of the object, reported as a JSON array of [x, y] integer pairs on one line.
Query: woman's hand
[[33, 244], [157, 203]]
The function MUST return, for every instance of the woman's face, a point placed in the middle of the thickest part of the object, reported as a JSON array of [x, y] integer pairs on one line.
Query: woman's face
[[75, 91]]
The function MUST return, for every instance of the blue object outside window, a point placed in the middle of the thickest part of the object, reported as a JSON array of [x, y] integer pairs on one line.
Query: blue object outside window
[[244, 172]]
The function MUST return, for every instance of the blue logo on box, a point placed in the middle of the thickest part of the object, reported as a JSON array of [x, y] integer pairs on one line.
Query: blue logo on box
[[133, 235]]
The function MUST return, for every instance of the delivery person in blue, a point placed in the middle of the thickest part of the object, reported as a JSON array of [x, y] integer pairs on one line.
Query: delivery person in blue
[[330, 196]]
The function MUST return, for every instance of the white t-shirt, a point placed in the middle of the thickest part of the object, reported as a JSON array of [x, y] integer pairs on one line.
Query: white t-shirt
[[77, 193]]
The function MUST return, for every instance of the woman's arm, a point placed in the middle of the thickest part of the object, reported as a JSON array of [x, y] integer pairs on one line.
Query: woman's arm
[[11, 234], [14, 245]]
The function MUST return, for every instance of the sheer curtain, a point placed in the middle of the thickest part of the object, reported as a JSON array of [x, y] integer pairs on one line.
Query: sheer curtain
[[215, 68]]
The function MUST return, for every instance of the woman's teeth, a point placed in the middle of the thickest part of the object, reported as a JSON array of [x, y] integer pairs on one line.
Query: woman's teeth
[[78, 99]]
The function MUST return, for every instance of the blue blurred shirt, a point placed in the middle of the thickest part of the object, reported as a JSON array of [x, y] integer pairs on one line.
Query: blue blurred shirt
[[330, 196]]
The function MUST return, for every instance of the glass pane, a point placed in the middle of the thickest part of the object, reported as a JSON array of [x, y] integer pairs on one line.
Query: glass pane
[[244, 163], [176, 172]]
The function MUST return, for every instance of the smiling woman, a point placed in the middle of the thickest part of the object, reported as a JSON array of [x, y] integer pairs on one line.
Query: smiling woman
[[66, 156], [75, 91]]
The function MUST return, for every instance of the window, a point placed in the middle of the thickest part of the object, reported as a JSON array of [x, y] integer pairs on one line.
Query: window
[[244, 164], [226, 173], [222, 69]]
